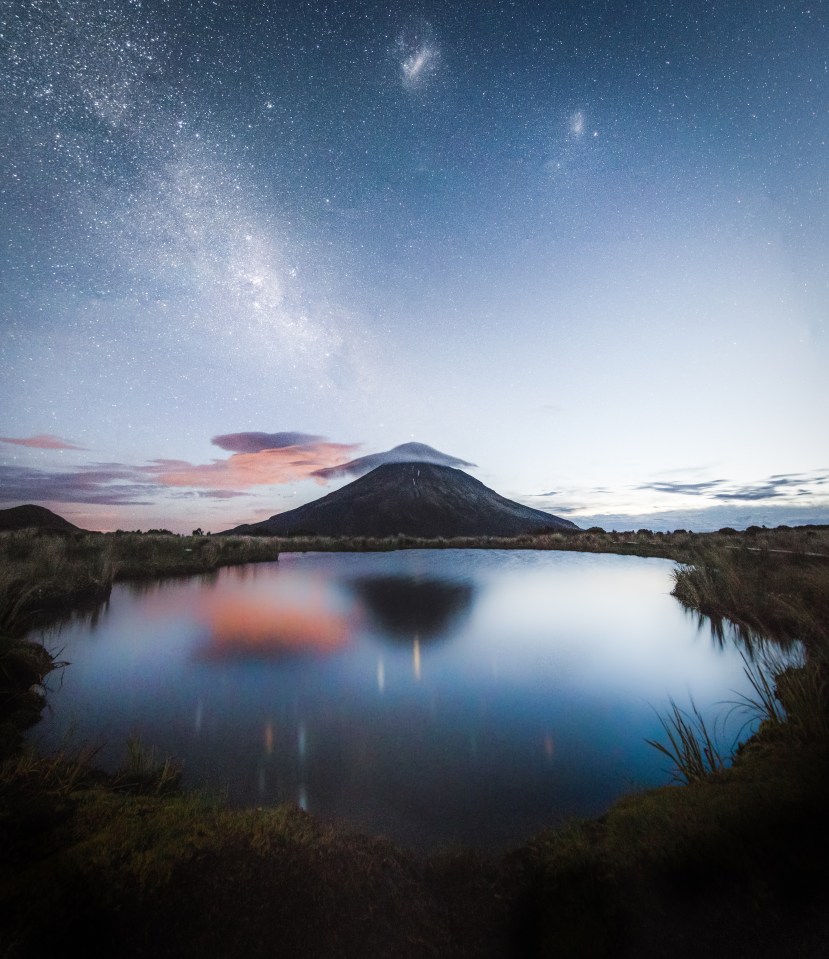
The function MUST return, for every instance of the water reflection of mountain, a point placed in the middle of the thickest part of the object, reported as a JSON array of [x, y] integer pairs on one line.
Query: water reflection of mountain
[[406, 606]]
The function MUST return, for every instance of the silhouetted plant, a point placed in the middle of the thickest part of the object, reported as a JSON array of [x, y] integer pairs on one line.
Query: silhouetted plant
[[691, 747]]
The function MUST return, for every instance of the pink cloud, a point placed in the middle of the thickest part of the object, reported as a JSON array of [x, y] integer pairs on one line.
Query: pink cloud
[[256, 442], [43, 441], [265, 468]]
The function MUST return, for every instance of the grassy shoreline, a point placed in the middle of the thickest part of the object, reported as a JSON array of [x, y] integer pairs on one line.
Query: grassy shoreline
[[732, 864], [43, 575]]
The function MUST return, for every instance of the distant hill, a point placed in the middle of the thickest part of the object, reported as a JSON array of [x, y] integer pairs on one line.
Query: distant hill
[[413, 499], [34, 517]]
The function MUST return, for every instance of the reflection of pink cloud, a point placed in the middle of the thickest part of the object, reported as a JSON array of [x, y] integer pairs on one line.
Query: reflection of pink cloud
[[284, 465], [43, 441], [246, 627]]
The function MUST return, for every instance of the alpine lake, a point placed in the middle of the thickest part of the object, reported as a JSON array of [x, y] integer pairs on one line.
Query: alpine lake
[[440, 698]]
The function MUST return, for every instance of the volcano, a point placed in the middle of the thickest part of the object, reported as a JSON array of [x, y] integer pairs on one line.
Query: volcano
[[410, 499]]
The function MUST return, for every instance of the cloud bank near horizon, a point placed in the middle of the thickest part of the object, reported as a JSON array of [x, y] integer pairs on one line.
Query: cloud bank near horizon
[[101, 485], [788, 485]]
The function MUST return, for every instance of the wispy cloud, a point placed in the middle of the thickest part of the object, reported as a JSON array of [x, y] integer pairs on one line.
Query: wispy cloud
[[692, 488], [710, 517], [43, 441], [264, 468], [206, 494], [779, 486], [102, 487]]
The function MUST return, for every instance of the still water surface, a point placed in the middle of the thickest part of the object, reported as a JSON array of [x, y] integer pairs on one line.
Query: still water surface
[[437, 697]]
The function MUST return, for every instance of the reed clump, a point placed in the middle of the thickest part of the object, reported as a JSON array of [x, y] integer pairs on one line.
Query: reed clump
[[46, 574], [692, 747], [41, 574], [780, 596], [777, 604], [680, 545], [142, 773]]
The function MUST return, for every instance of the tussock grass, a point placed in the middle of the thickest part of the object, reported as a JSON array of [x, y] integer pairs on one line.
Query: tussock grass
[[778, 606], [692, 747], [803, 691], [763, 705], [143, 774], [28, 775], [680, 545], [784, 597], [778, 599], [45, 575]]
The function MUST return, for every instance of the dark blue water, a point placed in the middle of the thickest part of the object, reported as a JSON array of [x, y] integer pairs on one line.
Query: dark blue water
[[439, 698]]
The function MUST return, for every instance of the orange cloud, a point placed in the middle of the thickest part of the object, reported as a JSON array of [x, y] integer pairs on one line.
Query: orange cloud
[[284, 465], [43, 441]]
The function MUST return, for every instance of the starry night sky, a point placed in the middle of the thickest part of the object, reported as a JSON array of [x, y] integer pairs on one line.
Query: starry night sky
[[583, 245]]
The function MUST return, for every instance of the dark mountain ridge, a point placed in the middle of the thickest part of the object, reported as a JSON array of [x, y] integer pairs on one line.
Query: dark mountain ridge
[[34, 517], [412, 499]]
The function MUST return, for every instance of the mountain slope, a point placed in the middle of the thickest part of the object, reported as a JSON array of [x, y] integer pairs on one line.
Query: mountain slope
[[413, 499], [33, 517]]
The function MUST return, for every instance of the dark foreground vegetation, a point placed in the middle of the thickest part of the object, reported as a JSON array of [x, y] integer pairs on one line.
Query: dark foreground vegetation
[[733, 863]]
